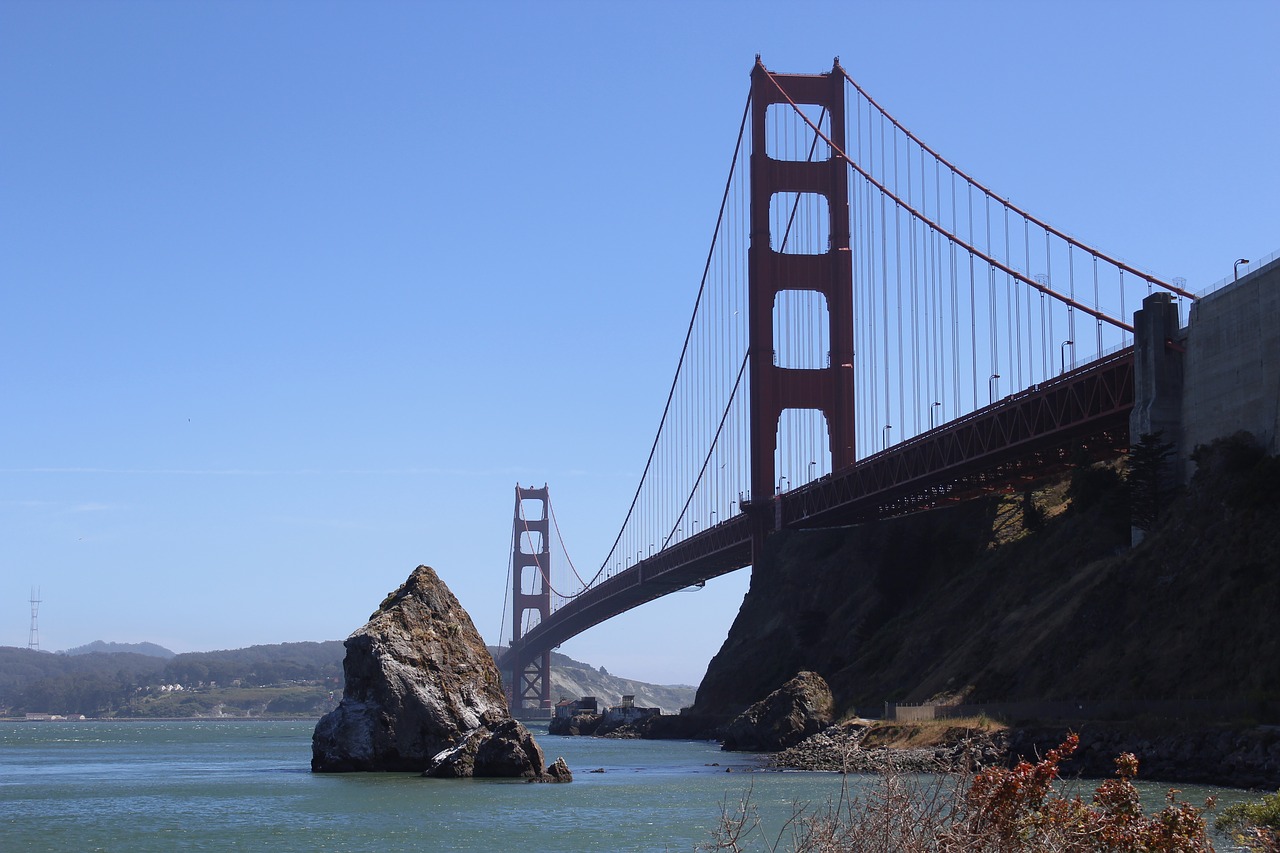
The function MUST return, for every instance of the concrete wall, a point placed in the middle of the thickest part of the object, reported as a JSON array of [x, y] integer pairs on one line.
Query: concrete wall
[[1232, 367], [1158, 377], [1217, 376]]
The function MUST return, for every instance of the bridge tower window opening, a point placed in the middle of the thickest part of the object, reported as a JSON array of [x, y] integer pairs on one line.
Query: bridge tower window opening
[[789, 137], [531, 542], [801, 330], [530, 618], [531, 583], [803, 453], [800, 223]]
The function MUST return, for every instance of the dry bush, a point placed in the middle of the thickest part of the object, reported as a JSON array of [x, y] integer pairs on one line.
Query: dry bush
[[996, 810]]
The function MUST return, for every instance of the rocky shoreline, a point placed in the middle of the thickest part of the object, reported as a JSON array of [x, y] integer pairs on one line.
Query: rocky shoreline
[[793, 725], [841, 749], [1228, 757]]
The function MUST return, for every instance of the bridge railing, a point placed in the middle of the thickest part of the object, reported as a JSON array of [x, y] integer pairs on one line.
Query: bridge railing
[[1253, 265]]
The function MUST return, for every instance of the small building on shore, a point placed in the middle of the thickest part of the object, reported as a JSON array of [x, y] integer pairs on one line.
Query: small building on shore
[[586, 705], [627, 712]]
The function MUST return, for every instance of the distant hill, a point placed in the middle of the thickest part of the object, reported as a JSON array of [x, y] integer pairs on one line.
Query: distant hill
[[99, 647], [572, 679], [104, 679]]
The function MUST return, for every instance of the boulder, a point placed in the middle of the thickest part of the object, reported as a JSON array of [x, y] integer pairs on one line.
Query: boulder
[[497, 748], [800, 708], [422, 694]]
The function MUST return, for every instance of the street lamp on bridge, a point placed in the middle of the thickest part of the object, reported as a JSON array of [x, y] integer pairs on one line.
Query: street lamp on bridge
[[780, 479], [993, 385], [933, 409], [885, 433], [1063, 350], [1236, 268]]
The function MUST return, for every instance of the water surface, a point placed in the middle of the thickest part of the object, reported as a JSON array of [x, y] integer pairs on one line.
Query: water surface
[[161, 786]]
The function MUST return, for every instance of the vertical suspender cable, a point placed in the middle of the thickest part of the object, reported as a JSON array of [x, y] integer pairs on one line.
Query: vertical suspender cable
[[991, 289], [955, 307], [973, 304], [1123, 316], [1071, 312], [1048, 272], [1011, 311], [1097, 303], [897, 247], [884, 278], [1026, 249]]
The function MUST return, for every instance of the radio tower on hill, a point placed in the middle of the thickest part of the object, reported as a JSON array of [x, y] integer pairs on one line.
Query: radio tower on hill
[[33, 639]]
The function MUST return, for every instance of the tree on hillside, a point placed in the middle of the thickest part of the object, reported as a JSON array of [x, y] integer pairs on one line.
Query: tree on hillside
[[1150, 479]]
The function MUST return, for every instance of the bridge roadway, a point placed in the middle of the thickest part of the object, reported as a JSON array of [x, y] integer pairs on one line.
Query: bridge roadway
[[1082, 415]]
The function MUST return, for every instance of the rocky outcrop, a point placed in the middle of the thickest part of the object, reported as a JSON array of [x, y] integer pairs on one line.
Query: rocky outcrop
[[796, 710], [423, 694], [505, 749]]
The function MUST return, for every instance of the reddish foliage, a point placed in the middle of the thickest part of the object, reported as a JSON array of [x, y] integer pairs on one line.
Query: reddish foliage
[[1017, 809]]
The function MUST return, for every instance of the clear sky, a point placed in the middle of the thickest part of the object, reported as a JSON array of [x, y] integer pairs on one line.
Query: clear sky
[[293, 293]]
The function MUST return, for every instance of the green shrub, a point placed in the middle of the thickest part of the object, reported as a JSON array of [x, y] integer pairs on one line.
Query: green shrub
[[1255, 825]]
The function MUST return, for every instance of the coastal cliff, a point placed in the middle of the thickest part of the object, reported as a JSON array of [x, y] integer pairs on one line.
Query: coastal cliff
[[1027, 598]]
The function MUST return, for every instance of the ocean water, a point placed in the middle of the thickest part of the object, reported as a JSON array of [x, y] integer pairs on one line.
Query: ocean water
[[163, 786], [141, 786]]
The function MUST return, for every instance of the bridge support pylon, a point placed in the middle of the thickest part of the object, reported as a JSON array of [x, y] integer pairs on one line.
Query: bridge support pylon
[[529, 684], [773, 270]]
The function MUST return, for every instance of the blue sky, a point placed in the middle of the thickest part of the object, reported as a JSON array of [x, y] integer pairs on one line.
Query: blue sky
[[294, 293]]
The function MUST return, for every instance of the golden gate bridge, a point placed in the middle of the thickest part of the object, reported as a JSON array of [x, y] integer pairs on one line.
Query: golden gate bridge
[[875, 332]]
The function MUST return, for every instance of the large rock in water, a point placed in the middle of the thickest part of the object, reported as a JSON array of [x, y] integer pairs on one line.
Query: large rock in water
[[423, 694], [800, 708]]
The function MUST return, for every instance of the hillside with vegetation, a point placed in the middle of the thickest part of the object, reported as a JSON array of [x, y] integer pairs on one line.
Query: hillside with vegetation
[[290, 679], [1036, 596], [285, 680]]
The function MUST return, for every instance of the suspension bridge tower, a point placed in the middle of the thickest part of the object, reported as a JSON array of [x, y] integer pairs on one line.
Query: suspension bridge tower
[[33, 637], [778, 187], [530, 684]]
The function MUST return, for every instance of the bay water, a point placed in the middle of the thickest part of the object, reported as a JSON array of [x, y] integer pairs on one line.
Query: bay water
[[220, 785], [144, 786]]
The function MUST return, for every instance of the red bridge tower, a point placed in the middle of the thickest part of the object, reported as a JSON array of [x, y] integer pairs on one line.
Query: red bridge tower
[[773, 270]]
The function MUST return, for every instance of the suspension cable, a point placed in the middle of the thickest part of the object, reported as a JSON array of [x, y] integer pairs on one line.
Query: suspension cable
[[701, 471], [1038, 222], [560, 536], [685, 348], [506, 592], [924, 220]]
